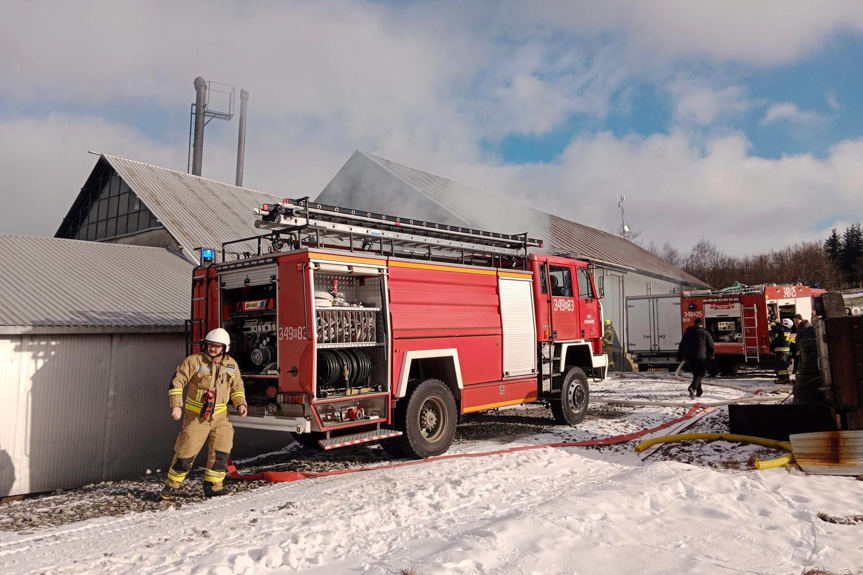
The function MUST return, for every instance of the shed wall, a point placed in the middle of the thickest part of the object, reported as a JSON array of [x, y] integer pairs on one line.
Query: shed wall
[[80, 409]]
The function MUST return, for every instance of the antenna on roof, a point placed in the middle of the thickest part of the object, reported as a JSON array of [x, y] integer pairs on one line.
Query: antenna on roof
[[624, 229]]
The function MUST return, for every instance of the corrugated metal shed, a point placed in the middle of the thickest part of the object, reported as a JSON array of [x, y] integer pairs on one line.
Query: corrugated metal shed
[[389, 187], [57, 285], [196, 211]]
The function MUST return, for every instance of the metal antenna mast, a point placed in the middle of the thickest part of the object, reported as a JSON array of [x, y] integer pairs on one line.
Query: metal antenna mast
[[624, 229]]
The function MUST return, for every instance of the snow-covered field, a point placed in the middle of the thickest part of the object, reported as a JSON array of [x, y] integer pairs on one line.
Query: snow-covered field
[[565, 510]]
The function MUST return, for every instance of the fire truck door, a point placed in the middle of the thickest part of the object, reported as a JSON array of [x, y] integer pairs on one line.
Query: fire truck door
[[564, 310], [588, 306]]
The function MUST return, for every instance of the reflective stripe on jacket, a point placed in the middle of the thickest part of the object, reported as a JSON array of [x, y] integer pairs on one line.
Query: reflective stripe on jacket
[[200, 374]]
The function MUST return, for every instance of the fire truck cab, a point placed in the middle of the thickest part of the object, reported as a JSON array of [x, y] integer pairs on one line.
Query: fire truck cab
[[352, 327]]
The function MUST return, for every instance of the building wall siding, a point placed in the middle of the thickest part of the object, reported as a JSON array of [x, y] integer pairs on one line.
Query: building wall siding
[[80, 409]]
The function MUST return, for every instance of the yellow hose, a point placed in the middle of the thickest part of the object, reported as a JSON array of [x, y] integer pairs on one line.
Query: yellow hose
[[778, 462], [770, 463]]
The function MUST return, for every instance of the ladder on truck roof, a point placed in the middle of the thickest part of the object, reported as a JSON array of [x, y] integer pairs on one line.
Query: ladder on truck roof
[[301, 223]]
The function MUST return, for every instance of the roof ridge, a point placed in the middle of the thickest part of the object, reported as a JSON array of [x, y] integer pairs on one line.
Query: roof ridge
[[110, 157]]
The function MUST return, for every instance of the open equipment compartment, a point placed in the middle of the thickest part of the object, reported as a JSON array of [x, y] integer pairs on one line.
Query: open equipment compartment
[[350, 331]]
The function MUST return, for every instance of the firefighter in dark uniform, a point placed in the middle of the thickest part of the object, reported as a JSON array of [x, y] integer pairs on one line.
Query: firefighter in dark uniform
[[781, 348], [213, 379], [609, 344]]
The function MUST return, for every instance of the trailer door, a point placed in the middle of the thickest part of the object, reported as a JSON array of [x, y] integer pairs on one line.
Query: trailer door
[[667, 322]]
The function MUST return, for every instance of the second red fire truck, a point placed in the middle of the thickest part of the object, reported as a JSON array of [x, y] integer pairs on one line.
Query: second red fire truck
[[352, 326], [740, 318]]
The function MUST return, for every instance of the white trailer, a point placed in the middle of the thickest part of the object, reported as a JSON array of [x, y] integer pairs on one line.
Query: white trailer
[[653, 330]]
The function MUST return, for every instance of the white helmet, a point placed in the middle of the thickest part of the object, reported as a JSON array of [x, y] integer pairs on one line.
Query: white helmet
[[787, 323], [219, 336]]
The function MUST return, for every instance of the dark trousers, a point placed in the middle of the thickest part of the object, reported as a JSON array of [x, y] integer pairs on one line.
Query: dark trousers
[[698, 369], [782, 361]]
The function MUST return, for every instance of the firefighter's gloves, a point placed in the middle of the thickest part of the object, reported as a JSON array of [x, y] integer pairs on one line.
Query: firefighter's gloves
[[243, 410], [176, 412]]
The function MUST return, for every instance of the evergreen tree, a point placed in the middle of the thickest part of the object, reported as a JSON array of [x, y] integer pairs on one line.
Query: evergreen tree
[[833, 246], [852, 253]]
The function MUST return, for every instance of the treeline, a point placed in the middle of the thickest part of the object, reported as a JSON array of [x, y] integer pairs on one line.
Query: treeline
[[835, 264]]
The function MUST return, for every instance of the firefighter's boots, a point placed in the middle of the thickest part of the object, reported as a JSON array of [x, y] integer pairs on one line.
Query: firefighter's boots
[[216, 490]]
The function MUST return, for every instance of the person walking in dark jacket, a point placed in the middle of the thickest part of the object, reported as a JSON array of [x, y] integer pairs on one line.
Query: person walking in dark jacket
[[696, 347]]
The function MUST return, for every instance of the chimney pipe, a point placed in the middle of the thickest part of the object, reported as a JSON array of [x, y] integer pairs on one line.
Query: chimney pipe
[[241, 142], [198, 145]]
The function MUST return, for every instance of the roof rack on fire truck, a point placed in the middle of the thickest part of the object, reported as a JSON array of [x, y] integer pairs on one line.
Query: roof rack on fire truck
[[736, 288], [301, 223]]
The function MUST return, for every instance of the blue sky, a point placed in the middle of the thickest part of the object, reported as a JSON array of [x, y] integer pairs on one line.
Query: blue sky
[[711, 117]]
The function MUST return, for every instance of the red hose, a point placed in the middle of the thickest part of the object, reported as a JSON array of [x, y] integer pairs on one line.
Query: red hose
[[285, 476]]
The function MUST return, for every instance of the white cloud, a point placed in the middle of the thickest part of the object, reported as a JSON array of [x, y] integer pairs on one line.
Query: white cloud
[[789, 112], [833, 101], [704, 105], [422, 84], [760, 33], [45, 163]]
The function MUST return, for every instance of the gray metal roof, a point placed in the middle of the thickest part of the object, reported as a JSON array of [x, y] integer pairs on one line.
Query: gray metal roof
[[60, 283], [399, 190], [196, 211]]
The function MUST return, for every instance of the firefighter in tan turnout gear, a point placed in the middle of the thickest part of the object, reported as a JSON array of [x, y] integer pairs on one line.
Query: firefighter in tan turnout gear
[[213, 379]]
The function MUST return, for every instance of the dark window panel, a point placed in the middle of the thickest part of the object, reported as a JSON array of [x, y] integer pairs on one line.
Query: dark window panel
[[81, 233], [121, 224], [93, 211], [103, 208], [104, 188], [132, 227], [134, 203], [124, 204], [91, 232], [115, 185], [143, 220], [111, 229], [100, 230], [112, 206]]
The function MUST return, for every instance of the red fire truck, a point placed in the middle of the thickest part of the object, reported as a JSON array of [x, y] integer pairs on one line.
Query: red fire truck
[[354, 326], [740, 318]]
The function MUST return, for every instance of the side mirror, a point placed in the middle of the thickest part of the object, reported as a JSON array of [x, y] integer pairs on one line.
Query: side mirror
[[601, 286]]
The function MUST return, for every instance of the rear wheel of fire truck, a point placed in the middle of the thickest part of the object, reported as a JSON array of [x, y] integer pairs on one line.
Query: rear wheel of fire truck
[[427, 419], [574, 398]]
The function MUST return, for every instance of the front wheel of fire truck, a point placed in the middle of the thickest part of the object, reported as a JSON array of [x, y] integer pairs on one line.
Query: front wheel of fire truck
[[427, 419], [574, 398]]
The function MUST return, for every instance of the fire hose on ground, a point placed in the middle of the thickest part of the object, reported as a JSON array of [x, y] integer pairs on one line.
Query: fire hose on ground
[[769, 464], [286, 476]]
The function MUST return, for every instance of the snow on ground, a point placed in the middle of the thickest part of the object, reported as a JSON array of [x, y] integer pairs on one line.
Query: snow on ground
[[548, 511]]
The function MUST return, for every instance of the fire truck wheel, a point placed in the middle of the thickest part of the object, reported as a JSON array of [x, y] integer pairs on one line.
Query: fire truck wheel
[[427, 418], [574, 398]]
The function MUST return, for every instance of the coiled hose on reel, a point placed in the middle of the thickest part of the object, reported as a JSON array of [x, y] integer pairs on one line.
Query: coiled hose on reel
[[343, 368]]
